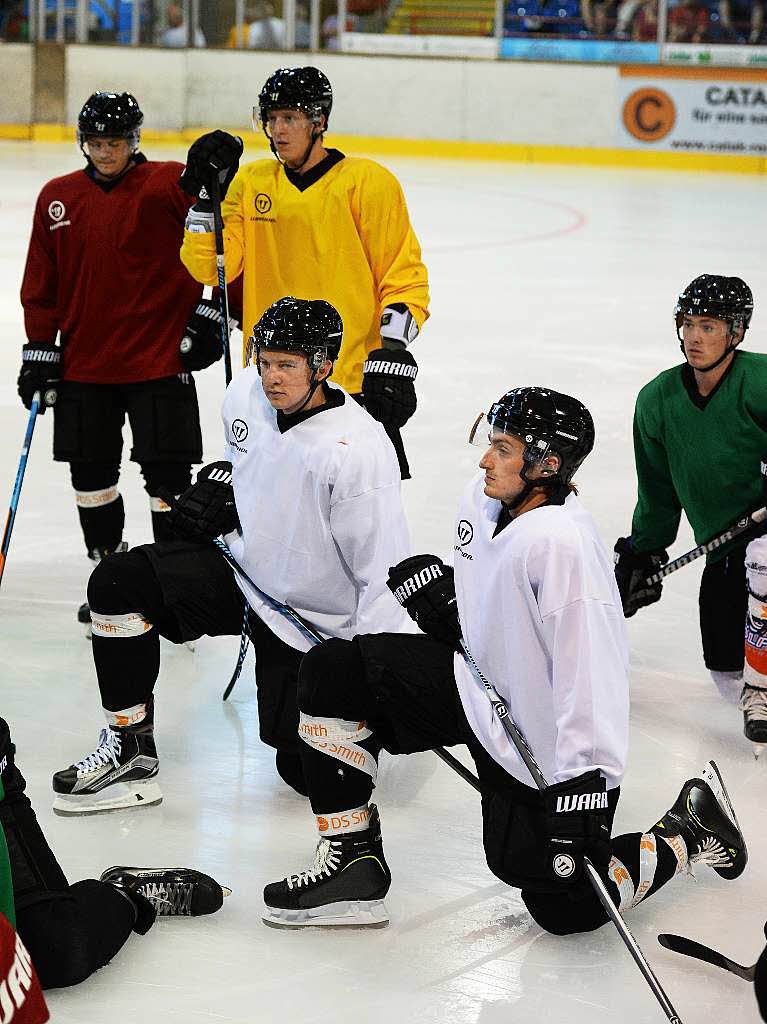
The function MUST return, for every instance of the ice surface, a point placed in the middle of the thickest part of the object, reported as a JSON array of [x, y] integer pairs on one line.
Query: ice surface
[[539, 275]]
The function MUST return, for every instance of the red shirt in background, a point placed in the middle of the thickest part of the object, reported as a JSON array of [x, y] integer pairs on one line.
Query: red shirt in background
[[103, 268]]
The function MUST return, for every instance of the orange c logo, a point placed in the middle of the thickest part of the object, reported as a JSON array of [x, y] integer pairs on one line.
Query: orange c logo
[[649, 114]]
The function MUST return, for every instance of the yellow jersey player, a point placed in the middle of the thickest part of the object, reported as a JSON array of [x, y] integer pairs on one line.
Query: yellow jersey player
[[316, 223]]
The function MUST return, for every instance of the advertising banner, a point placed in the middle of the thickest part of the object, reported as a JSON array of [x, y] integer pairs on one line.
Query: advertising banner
[[693, 110]]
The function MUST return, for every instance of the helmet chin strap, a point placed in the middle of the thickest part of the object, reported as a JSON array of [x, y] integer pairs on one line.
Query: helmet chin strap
[[307, 152], [530, 486]]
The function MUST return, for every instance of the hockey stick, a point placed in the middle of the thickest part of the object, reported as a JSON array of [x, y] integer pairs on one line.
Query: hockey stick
[[312, 634], [711, 545], [223, 295], [524, 751], [19, 479], [689, 947]]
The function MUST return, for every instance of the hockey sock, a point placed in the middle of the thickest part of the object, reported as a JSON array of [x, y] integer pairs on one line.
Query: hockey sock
[[160, 528], [641, 864], [339, 760], [341, 823], [102, 518], [126, 652]]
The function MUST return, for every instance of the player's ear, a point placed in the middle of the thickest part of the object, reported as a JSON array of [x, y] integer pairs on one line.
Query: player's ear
[[325, 371]]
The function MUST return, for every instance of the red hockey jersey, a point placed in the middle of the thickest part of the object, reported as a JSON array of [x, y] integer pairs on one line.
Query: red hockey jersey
[[21, 1001], [103, 269]]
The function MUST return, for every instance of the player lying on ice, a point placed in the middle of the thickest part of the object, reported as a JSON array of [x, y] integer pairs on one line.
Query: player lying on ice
[[72, 930], [309, 503], [536, 601]]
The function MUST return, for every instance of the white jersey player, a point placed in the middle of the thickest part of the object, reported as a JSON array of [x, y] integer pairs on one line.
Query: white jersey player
[[308, 500], [534, 597]]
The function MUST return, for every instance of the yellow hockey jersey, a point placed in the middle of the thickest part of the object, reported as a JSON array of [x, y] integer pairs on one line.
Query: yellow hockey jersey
[[345, 238]]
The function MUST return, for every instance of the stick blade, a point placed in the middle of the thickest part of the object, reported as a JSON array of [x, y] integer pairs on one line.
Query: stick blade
[[689, 947]]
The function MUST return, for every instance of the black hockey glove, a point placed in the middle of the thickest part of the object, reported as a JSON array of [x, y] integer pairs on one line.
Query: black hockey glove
[[217, 151], [206, 509], [577, 825], [201, 345], [631, 572], [424, 586], [388, 391], [40, 371]]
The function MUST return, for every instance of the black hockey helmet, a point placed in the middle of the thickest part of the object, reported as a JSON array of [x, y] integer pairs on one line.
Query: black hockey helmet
[[548, 423], [310, 326], [306, 89], [112, 115], [724, 298]]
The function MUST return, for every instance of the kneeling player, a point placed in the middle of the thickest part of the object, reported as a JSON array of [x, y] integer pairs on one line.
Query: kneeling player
[[72, 930], [540, 611], [310, 506]]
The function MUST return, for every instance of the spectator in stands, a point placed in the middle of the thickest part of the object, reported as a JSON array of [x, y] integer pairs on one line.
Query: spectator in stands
[[644, 27], [330, 29], [688, 22], [598, 17], [267, 32], [175, 34], [14, 25], [251, 14], [303, 29], [742, 20]]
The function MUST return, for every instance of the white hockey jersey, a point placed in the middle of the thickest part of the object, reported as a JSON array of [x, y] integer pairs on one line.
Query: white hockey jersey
[[321, 514], [541, 614]]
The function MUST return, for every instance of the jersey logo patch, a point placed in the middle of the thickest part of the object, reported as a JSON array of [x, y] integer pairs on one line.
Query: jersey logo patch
[[263, 203], [239, 430], [57, 211], [465, 533]]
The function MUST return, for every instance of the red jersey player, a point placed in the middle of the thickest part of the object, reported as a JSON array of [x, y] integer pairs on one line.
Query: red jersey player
[[103, 274]]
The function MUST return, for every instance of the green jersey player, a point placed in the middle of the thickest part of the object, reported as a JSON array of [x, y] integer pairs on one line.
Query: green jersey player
[[700, 430]]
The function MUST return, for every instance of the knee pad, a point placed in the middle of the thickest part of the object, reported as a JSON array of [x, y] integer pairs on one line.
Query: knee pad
[[94, 476], [173, 477], [125, 582], [566, 913], [290, 770], [330, 680]]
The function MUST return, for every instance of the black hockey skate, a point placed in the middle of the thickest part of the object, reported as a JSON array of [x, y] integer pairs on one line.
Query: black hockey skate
[[753, 704], [703, 816], [173, 892], [344, 887], [118, 774]]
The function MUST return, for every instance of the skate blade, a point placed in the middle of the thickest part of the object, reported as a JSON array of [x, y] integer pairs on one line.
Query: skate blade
[[351, 914], [712, 776], [758, 748], [126, 797]]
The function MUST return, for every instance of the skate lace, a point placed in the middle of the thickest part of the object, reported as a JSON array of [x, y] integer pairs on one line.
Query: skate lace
[[754, 702], [107, 752], [169, 898], [327, 857], [711, 852]]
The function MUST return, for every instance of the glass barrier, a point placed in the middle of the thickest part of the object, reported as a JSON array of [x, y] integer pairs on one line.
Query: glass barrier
[[704, 32]]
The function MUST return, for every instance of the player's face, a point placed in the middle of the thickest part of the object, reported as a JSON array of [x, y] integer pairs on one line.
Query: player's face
[[291, 131], [502, 463], [705, 339], [109, 156], [286, 379]]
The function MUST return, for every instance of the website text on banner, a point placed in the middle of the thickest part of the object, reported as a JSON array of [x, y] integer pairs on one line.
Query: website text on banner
[[693, 111]]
